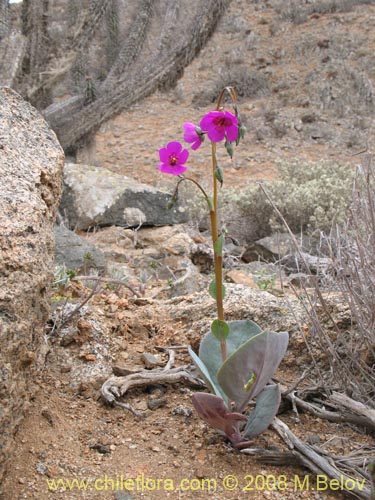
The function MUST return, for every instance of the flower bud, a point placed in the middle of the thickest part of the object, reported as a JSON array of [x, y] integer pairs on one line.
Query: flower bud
[[229, 148], [173, 200], [219, 174], [241, 131]]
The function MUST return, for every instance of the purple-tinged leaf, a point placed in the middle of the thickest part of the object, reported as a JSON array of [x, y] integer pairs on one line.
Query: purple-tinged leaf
[[267, 404], [211, 408], [256, 361]]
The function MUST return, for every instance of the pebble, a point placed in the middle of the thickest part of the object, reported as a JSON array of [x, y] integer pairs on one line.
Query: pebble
[[41, 468], [122, 495], [150, 361], [154, 404]]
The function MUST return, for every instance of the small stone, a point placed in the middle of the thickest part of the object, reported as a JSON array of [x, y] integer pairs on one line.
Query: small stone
[[88, 357], [241, 277], [298, 125], [314, 439], [154, 404], [141, 405], [112, 447], [65, 368], [156, 449], [41, 468], [100, 448], [150, 361], [182, 410], [122, 495], [47, 415]]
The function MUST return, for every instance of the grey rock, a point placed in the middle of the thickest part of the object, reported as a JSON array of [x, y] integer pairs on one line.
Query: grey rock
[[182, 410], [273, 247], [150, 361], [122, 495], [306, 263], [77, 253], [302, 280], [154, 404], [31, 163], [241, 302], [95, 197], [277, 246]]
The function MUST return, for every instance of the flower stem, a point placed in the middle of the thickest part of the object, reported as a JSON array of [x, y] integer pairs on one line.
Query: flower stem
[[218, 258], [209, 202]]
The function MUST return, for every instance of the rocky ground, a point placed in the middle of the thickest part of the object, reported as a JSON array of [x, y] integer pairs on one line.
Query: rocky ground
[[312, 99], [70, 434]]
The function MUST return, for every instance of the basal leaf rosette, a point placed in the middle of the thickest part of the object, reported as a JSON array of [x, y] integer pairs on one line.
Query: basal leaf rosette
[[253, 357]]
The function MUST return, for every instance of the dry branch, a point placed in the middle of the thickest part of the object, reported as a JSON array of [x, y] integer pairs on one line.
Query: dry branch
[[347, 410], [117, 387], [312, 458]]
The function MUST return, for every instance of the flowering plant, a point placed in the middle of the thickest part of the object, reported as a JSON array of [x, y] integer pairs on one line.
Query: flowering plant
[[236, 358]]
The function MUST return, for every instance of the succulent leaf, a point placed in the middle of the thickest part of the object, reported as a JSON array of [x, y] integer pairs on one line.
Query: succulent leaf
[[267, 404], [211, 381], [261, 356], [240, 332], [212, 289], [211, 408], [220, 329]]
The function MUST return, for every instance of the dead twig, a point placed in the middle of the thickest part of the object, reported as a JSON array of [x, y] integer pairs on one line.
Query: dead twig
[[116, 387], [353, 413], [58, 325], [317, 464], [178, 281], [107, 280]]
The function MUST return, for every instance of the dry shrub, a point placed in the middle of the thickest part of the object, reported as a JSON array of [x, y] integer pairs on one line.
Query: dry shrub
[[309, 195], [350, 351], [298, 12], [248, 83]]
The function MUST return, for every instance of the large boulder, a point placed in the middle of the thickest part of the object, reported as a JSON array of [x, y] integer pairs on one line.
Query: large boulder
[[31, 163], [97, 197], [77, 253]]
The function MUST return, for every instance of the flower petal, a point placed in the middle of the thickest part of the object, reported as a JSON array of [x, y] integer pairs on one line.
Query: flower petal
[[216, 134], [231, 126], [207, 121], [231, 116], [190, 132], [183, 156], [172, 169], [196, 144], [231, 132], [174, 147], [179, 169], [163, 155]]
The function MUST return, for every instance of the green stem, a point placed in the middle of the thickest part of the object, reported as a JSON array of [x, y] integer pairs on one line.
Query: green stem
[[218, 259]]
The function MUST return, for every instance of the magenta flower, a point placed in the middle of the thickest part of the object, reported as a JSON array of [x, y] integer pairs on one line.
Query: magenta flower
[[191, 135], [172, 158], [220, 124]]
